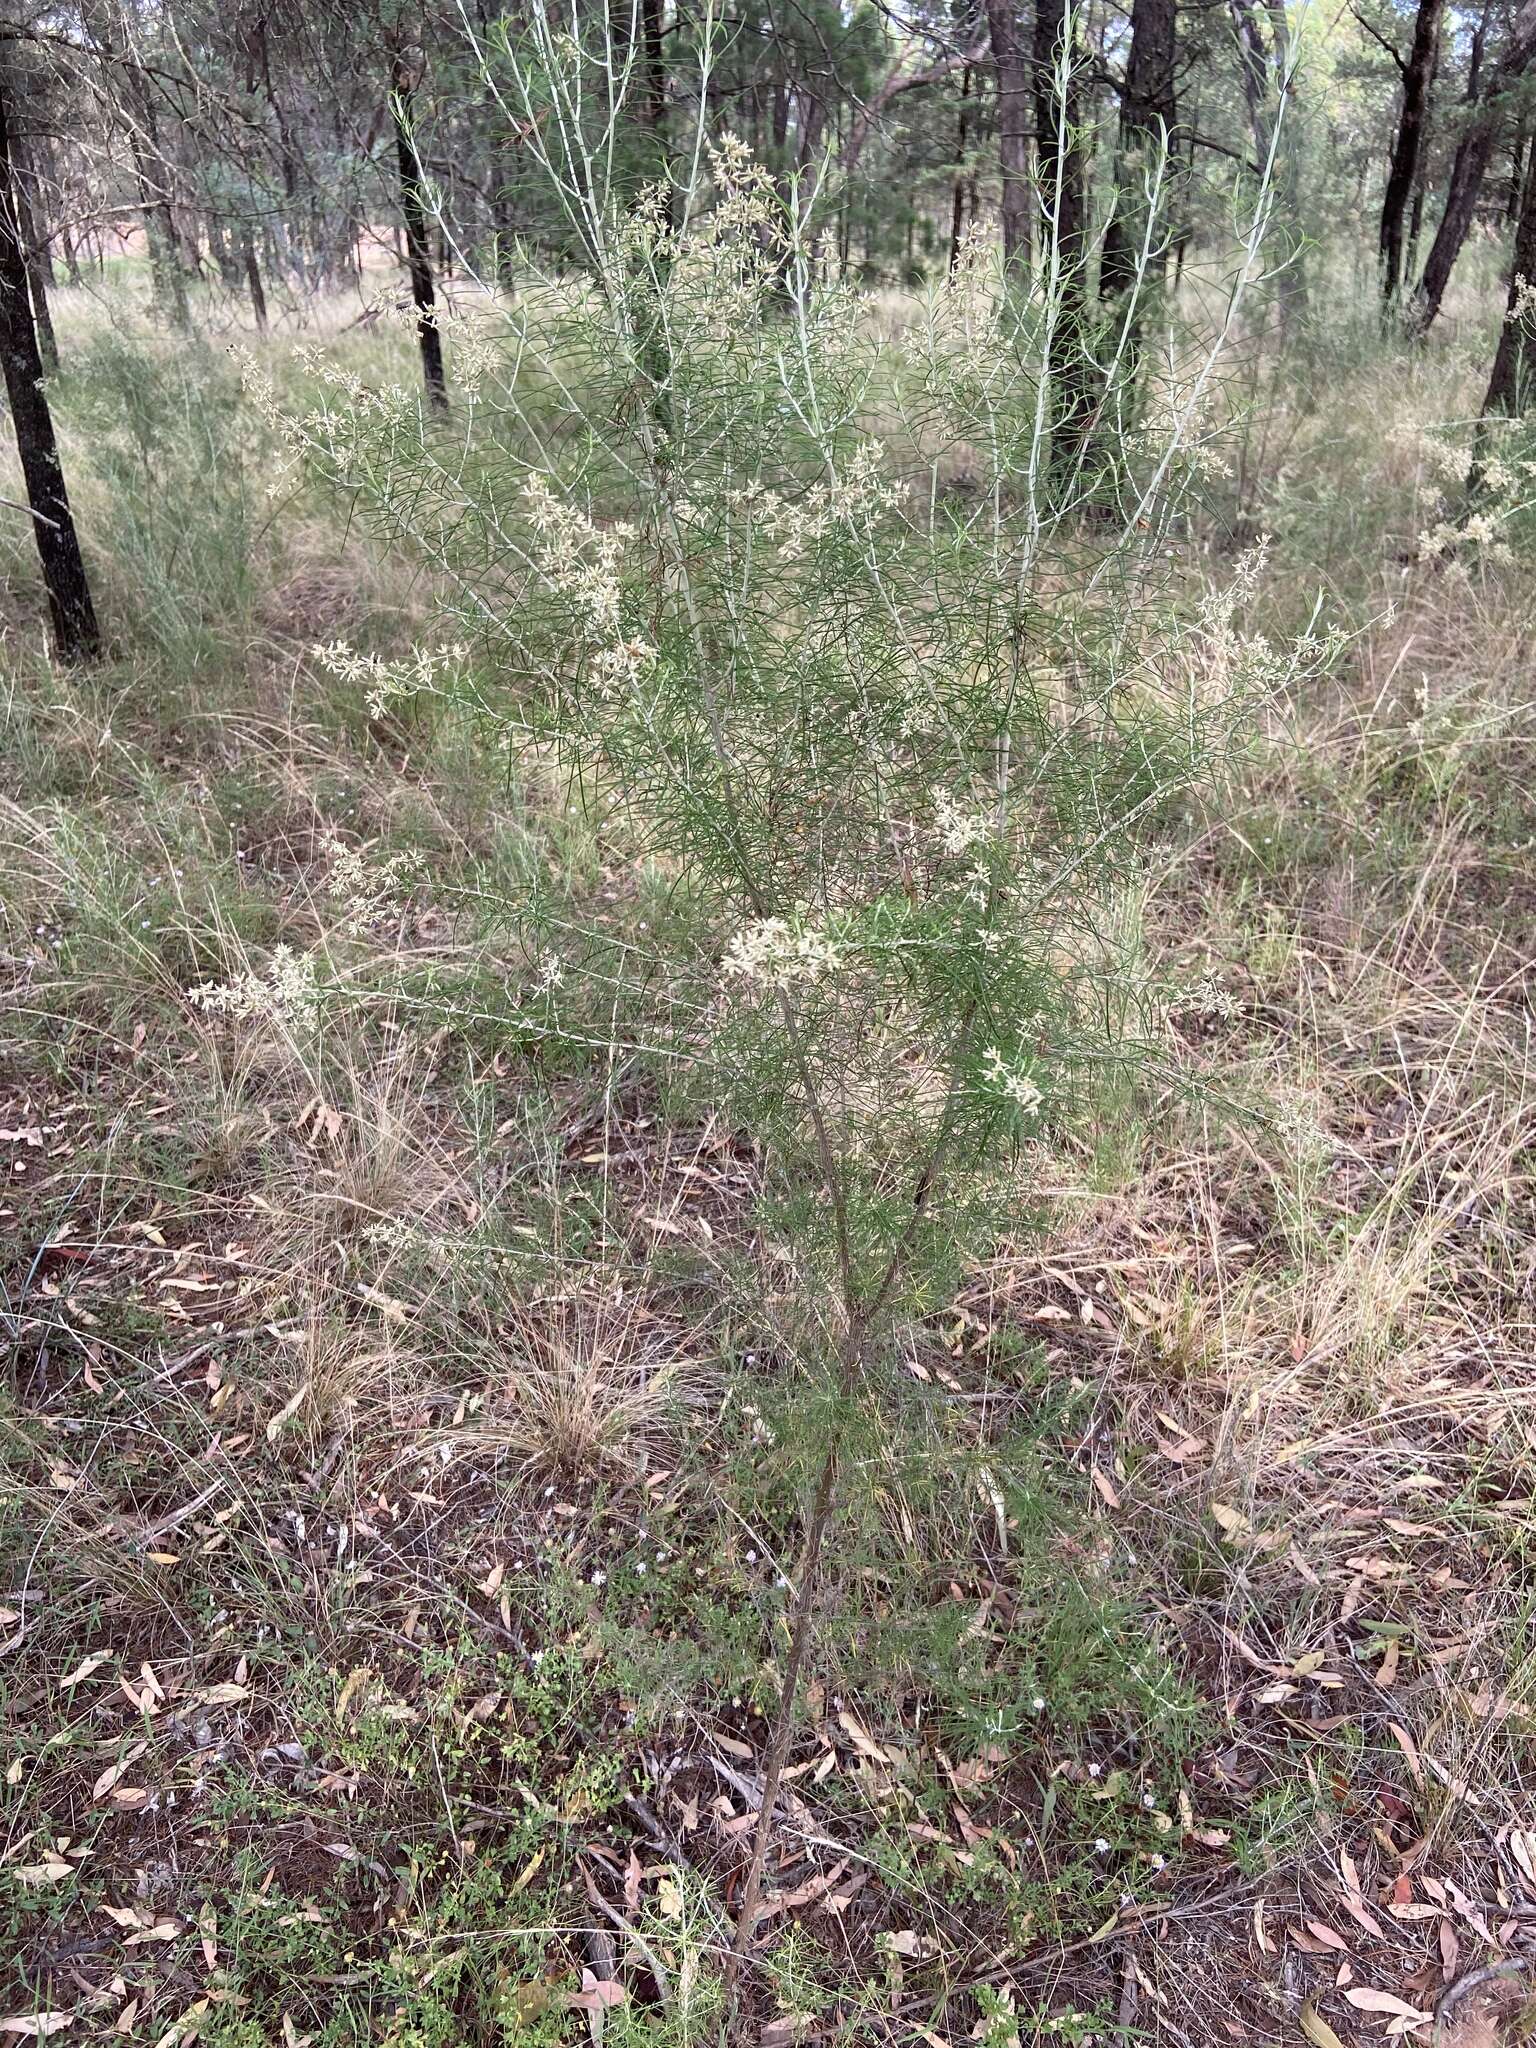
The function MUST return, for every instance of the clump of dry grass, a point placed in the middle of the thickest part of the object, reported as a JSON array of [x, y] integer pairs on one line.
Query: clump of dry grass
[[588, 1376]]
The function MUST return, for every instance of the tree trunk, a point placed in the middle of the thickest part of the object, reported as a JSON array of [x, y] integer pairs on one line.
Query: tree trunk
[[1408, 143], [413, 212], [1514, 362], [1064, 225], [253, 279], [223, 255], [1145, 154], [1473, 156], [37, 273], [1266, 82], [1007, 42], [1516, 176], [107, 27], [957, 202], [69, 597]]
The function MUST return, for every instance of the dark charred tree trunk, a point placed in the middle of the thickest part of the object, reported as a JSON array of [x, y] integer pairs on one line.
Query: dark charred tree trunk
[[654, 62], [26, 190], [69, 597], [37, 270], [253, 279], [413, 213], [1064, 227], [1408, 143], [1514, 363], [1007, 40], [957, 201], [1474, 153], [1135, 244]]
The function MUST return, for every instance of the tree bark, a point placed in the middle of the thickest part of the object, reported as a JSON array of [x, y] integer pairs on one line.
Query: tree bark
[[1145, 154], [1516, 176], [1473, 156], [1514, 362], [413, 212], [58, 547], [1013, 87], [1064, 225], [37, 270], [253, 279], [1266, 80], [1408, 143], [957, 201]]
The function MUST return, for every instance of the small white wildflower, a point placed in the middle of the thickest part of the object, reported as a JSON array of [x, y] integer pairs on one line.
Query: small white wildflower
[[1015, 1086], [958, 830], [575, 557], [1210, 999], [364, 887], [288, 994], [386, 683], [778, 952], [621, 665]]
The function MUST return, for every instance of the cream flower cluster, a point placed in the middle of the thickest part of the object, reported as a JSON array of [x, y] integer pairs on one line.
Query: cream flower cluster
[[575, 557], [1016, 1087], [288, 993], [861, 494], [779, 953], [366, 887], [388, 682], [958, 830]]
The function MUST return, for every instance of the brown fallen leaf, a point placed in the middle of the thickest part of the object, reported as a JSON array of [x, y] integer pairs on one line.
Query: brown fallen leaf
[[1267, 1944], [804, 1894], [596, 1994], [1330, 1937], [114, 1772], [864, 1742], [85, 1667], [1364, 1999], [1107, 1492], [162, 1930]]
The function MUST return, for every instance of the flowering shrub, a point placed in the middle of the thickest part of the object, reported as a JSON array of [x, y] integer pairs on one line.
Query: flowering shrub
[[798, 612]]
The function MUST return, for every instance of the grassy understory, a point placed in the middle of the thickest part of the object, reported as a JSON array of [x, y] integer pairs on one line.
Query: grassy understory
[[404, 1463]]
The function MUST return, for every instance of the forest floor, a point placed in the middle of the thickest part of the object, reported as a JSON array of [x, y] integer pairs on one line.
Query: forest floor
[[400, 1488]]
